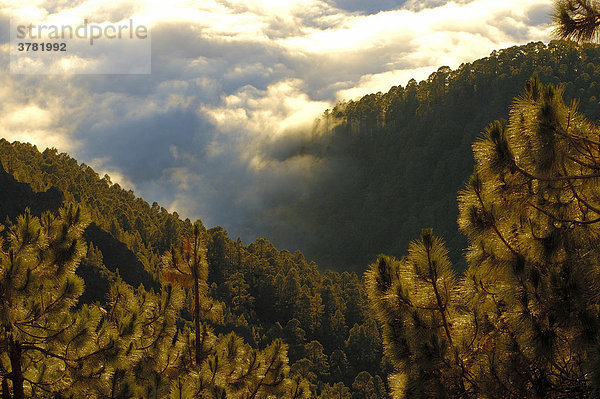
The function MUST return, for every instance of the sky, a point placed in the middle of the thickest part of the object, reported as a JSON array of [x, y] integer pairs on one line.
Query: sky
[[235, 85]]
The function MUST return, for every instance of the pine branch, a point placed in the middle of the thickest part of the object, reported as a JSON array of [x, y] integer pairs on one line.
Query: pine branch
[[493, 223], [557, 219], [441, 307], [577, 20]]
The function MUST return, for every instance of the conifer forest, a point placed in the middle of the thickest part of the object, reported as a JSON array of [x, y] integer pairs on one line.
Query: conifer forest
[[453, 252]]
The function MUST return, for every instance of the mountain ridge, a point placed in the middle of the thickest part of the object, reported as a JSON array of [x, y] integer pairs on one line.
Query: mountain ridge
[[394, 161]]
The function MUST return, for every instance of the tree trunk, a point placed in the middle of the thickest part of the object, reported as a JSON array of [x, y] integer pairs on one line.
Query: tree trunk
[[197, 319], [441, 306], [5, 392], [17, 374]]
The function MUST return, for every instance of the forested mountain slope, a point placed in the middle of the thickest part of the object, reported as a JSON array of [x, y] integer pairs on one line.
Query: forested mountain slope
[[395, 161], [265, 293], [393, 164]]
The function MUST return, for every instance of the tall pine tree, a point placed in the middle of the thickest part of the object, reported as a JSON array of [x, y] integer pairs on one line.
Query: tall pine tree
[[43, 339], [187, 266]]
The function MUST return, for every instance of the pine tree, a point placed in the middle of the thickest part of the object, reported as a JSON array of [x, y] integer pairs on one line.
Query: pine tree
[[531, 213], [43, 339], [577, 20], [187, 265], [416, 299], [150, 346], [524, 320], [132, 347], [336, 391]]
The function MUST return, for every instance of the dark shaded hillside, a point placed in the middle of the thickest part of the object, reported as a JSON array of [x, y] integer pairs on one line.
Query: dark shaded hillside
[[15, 197], [146, 230], [118, 258], [395, 161]]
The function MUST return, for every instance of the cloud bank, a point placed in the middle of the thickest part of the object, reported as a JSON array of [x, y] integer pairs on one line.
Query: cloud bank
[[213, 132]]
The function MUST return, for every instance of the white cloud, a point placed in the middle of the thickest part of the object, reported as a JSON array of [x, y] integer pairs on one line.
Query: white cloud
[[282, 107], [407, 42], [102, 167], [30, 113], [381, 82]]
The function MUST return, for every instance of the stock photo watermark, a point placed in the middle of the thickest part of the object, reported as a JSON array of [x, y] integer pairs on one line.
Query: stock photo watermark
[[81, 48]]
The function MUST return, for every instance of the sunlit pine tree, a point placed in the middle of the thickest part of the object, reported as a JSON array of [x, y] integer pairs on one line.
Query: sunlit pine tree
[[151, 349], [187, 266], [415, 298], [43, 339], [532, 214]]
